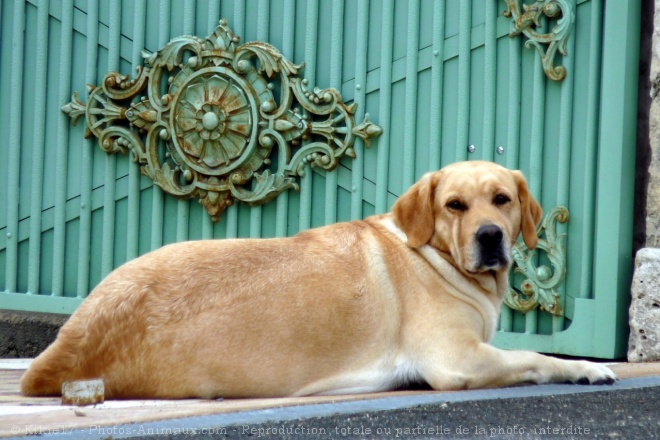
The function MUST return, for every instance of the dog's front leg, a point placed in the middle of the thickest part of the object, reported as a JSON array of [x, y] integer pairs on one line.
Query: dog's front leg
[[488, 367]]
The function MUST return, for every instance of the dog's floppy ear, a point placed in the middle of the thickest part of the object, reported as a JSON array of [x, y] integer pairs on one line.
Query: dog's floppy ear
[[531, 211], [413, 211]]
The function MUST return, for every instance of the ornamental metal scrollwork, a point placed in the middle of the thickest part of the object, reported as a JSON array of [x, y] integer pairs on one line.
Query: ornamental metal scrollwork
[[226, 109], [555, 40], [541, 283]]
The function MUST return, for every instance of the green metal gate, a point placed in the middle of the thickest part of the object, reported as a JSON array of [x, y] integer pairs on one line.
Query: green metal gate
[[446, 81]]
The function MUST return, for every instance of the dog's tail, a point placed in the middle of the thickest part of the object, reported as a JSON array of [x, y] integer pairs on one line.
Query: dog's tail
[[56, 365]]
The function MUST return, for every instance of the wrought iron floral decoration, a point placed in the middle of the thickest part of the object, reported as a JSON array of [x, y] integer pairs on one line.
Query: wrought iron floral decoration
[[220, 120], [541, 282], [526, 21]]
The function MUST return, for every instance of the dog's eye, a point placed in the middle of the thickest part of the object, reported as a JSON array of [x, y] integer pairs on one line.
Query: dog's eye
[[501, 199], [456, 205]]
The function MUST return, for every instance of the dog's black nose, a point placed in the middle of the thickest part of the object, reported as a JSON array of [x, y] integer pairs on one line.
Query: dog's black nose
[[489, 236]]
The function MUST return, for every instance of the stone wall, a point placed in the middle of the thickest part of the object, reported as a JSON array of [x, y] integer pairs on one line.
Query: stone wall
[[644, 340], [647, 179], [645, 290]]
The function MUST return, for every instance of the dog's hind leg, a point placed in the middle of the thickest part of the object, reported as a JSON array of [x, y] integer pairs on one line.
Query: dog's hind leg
[[57, 364]]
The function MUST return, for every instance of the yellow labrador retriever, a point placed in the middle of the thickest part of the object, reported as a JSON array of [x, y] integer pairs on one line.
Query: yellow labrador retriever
[[355, 307]]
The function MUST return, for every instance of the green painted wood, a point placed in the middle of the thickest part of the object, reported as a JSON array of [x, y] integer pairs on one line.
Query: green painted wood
[[336, 27], [361, 51], [287, 47], [14, 143], [41, 60], [39, 303], [84, 242], [64, 90], [438, 75], [616, 163]]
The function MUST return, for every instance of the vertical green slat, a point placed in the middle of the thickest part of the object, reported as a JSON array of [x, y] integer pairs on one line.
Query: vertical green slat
[[164, 25], [263, 24], [84, 240], [616, 172], [62, 143], [207, 225], [183, 206], [490, 75], [239, 29], [437, 84], [213, 12], [263, 20], [281, 214], [410, 112], [513, 132], [133, 218], [564, 154], [336, 49], [586, 261], [385, 104], [464, 30], [362, 40], [565, 118], [41, 59], [311, 34], [109, 208], [535, 177], [239, 18], [536, 156], [213, 20], [14, 157], [506, 314], [513, 141]]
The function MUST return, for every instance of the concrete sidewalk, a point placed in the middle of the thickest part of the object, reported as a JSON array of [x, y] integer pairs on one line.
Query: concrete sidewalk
[[547, 411]]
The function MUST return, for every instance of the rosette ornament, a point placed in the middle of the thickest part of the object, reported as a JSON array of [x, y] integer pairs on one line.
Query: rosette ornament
[[213, 121], [235, 122]]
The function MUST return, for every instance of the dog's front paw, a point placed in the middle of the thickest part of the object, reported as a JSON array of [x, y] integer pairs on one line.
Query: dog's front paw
[[590, 373]]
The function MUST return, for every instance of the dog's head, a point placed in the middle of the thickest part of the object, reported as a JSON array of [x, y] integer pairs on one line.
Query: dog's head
[[473, 211]]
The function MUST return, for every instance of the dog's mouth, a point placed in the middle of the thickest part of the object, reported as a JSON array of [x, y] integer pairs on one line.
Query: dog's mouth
[[489, 265], [494, 262], [488, 262], [492, 251]]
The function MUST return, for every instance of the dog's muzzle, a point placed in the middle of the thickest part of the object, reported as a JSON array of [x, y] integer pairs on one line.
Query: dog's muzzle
[[492, 252]]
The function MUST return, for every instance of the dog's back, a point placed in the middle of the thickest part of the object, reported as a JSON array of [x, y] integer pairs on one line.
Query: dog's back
[[197, 319]]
